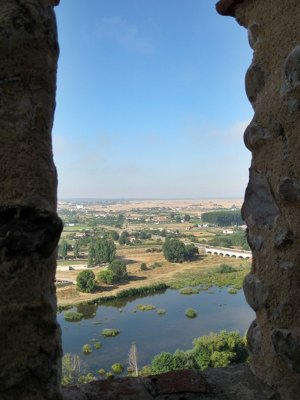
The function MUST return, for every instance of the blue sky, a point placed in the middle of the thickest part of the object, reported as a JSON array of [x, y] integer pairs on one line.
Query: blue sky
[[150, 100]]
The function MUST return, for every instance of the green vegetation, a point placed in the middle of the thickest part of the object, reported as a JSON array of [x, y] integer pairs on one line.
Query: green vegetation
[[161, 311], [237, 239], [191, 313], [214, 350], [110, 332], [225, 269], [124, 238], [143, 267], [101, 371], [101, 251], [232, 291], [211, 277], [97, 345], [73, 316], [105, 276], [109, 375], [74, 370], [145, 307], [175, 251], [189, 291], [86, 281], [63, 249], [117, 368], [118, 269], [223, 218], [87, 349]]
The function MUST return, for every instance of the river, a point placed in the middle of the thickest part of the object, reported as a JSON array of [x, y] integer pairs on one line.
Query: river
[[153, 333]]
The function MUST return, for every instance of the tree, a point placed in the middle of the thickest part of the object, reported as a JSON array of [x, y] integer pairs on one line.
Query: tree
[[187, 217], [76, 249], [132, 359], [63, 249], [72, 369], [119, 270], [191, 251], [174, 250], [101, 251], [124, 238], [113, 235], [86, 281]]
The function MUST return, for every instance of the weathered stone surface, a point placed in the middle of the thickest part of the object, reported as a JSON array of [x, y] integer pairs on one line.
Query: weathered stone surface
[[289, 190], [254, 338], [256, 292], [227, 7], [285, 264], [290, 87], [253, 35], [286, 345], [25, 230], [259, 208], [284, 238], [254, 81], [256, 136], [233, 383], [255, 241]]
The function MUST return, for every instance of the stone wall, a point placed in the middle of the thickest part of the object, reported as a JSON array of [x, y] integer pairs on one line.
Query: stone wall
[[29, 227], [272, 199]]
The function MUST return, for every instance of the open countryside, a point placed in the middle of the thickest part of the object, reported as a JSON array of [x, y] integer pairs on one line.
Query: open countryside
[[136, 268]]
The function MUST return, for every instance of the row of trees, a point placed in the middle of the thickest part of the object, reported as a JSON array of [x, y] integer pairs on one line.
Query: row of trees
[[176, 251], [223, 218]]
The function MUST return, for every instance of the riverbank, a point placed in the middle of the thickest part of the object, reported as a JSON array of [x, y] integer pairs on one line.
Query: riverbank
[[198, 272]]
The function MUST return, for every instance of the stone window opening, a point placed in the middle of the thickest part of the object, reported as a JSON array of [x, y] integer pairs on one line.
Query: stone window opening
[[30, 228]]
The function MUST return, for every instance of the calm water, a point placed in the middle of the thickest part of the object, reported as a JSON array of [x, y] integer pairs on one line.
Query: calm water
[[151, 332]]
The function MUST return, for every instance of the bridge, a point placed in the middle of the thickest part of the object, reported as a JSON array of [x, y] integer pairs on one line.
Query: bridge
[[221, 251]]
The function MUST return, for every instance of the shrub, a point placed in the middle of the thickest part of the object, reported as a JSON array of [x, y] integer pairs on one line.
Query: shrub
[[225, 269], [87, 349], [86, 281], [161, 311], [101, 371], [117, 368], [191, 313], [189, 290], [110, 332], [119, 270], [97, 345], [109, 375], [232, 291], [73, 316], [145, 307], [143, 267], [214, 350], [105, 276], [155, 265], [86, 378]]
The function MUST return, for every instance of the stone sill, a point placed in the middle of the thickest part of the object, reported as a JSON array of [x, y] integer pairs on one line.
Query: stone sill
[[232, 383]]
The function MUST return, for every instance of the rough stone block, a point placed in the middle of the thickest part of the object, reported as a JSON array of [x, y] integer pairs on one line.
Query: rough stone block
[[254, 81], [286, 345], [290, 87], [256, 292], [289, 190], [253, 35], [256, 136], [259, 208], [254, 338]]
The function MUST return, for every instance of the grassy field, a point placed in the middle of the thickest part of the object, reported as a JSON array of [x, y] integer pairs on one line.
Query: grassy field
[[175, 275]]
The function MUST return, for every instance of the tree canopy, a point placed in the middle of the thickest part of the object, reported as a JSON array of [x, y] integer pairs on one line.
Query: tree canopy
[[86, 281], [176, 251], [101, 251], [223, 218]]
